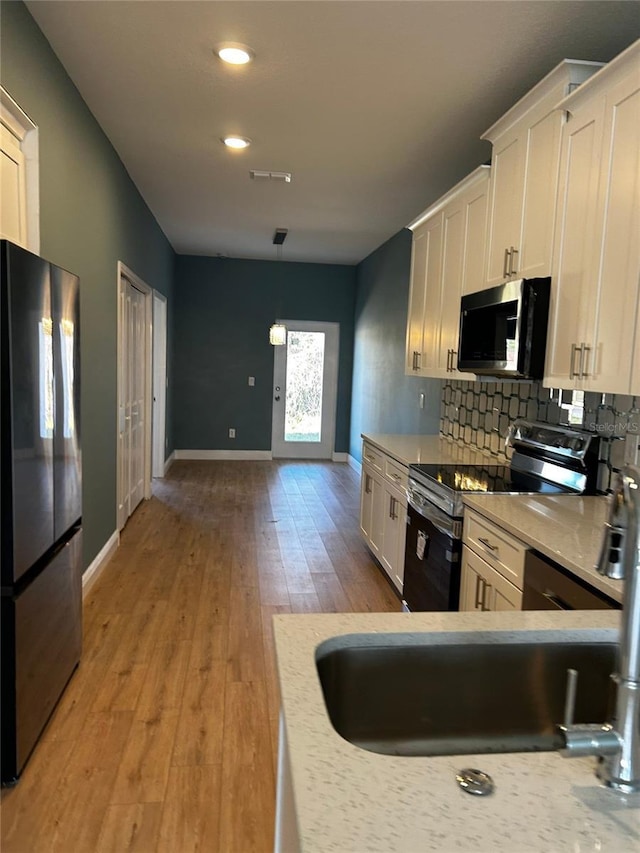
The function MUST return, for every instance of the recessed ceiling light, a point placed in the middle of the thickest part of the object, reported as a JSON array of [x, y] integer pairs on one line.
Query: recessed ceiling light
[[236, 142], [234, 54]]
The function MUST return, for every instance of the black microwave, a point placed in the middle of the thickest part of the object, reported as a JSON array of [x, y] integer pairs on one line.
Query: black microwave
[[503, 330]]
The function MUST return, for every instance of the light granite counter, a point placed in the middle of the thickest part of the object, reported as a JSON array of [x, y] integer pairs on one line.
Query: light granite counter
[[334, 797], [566, 528], [426, 449]]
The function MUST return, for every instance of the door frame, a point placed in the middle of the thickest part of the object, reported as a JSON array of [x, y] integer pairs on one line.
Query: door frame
[[124, 273], [159, 393], [331, 374]]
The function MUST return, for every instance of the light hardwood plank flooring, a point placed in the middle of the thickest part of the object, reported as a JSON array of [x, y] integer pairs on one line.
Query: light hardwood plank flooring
[[166, 737]]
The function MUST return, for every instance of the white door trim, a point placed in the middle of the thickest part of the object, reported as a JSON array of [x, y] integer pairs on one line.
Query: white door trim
[[159, 384], [291, 450], [125, 273]]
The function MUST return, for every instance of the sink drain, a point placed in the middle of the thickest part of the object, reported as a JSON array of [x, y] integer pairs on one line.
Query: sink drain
[[475, 782]]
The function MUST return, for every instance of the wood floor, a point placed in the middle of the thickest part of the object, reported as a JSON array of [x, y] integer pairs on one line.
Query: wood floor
[[166, 737]]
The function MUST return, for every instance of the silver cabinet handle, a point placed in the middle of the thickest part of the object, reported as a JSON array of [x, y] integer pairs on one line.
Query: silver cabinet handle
[[586, 352], [392, 512], [479, 597], [487, 544], [505, 266], [415, 361], [512, 265], [573, 373], [454, 359], [366, 484], [485, 587]]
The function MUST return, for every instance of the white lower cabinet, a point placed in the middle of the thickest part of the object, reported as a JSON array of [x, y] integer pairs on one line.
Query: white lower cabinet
[[484, 588], [383, 510], [492, 566]]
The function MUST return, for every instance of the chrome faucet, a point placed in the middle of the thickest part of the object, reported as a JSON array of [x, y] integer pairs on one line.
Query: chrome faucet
[[618, 743]]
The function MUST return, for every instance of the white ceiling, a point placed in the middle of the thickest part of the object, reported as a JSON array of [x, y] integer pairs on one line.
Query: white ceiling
[[375, 107]]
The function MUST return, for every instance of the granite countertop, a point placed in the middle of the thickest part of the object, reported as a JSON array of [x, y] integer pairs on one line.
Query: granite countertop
[[349, 800], [566, 528], [426, 449]]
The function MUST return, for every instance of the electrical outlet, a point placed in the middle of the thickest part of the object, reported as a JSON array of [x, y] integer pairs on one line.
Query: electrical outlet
[[252, 381], [232, 432]]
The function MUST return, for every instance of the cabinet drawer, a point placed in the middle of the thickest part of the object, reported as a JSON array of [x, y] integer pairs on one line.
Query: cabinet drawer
[[396, 473], [372, 457], [496, 546]]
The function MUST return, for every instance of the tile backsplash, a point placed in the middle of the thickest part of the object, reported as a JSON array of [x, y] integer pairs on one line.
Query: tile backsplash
[[479, 413]]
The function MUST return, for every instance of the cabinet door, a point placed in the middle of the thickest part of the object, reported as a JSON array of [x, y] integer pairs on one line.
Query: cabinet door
[[393, 527], [415, 316], [505, 204], [372, 510], [572, 313], [470, 583], [451, 283], [433, 294], [483, 588], [475, 239], [611, 366], [398, 577], [535, 241]]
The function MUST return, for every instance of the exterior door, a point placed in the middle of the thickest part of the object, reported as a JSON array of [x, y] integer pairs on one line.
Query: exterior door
[[132, 409], [305, 384]]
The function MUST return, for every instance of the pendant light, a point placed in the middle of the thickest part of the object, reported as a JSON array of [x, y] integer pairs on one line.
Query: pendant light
[[278, 332]]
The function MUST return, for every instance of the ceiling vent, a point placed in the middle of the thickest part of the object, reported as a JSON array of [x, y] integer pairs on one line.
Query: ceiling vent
[[280, 236], [259, 175]]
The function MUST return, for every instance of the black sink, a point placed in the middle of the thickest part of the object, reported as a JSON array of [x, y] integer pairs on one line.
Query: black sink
[[457, 699]]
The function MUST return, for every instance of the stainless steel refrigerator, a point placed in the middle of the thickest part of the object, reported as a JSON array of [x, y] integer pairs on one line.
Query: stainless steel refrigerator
[[41, 490]]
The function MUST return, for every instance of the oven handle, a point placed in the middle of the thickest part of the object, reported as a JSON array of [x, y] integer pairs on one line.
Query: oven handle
[[440, 520]]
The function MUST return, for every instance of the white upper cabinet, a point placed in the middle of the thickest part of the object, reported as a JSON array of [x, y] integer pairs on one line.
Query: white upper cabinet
[[447, 260], [524, 177], [594, 334]]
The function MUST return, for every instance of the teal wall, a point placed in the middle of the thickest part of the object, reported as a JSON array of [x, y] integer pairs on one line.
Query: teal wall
[[91, 216], [384, 400], [222, 319]]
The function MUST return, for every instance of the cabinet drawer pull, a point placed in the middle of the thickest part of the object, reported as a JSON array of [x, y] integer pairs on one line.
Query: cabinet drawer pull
[[512, 265], [366, 484], [479, 597], [454, 360], [485, 587], [487, 544], [392, 508], [584, 370], [573, 373], [505, 266]]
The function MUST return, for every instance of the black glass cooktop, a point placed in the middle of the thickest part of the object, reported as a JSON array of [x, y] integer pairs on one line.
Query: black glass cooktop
[[485, 478]]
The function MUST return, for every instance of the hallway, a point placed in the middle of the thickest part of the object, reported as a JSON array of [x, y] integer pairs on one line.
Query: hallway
[[167, 735]]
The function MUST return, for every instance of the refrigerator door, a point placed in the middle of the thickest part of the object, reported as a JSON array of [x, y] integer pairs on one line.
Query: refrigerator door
[[42, 639], [28, 419], [66, 442]]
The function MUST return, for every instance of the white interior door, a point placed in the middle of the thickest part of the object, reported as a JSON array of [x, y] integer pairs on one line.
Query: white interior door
[[159, 383], [305, 385], [133, 396]]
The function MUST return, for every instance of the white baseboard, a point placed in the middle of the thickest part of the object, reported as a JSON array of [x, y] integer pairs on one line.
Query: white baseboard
[[353, 462], [222, 454], [340, 457], [102, 558]]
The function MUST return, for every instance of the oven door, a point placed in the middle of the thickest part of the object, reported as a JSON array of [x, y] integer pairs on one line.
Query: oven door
[[432, 560]]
